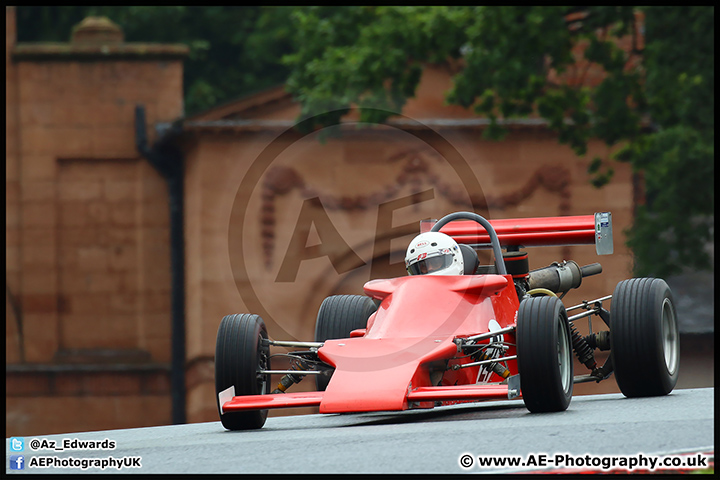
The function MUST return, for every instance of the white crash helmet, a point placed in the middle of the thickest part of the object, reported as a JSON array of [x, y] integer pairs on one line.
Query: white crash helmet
[[434, 253]]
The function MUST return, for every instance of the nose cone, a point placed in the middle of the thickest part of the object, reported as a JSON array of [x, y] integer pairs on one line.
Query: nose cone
[[425, 306], [376, 374]]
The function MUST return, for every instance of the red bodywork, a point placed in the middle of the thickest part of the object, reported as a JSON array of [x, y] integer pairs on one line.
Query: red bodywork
[[528, 232], [413, 331]]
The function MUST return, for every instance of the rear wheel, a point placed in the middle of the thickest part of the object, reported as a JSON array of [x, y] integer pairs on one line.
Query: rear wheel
[[338, 316], [239, 355], [544, 354], [644, 340]]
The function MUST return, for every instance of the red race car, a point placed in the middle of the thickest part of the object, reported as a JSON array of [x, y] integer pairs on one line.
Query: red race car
[[489, 332]]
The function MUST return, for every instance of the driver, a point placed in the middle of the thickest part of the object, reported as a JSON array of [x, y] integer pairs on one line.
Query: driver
[[434, 253]]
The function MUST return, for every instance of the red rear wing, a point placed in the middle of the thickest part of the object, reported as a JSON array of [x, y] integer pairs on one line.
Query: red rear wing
[[539, 232]]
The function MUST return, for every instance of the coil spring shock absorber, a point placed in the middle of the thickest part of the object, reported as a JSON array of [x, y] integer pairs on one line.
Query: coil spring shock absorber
[[581, 347], [291, 378], [498, 368]]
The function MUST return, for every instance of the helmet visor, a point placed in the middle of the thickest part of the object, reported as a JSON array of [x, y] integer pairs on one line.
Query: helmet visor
[[430, 264]]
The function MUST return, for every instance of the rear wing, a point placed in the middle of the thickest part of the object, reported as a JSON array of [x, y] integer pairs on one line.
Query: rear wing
[[536, 232]]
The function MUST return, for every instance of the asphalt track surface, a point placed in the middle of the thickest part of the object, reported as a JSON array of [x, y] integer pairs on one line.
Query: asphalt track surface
[[416, 441]]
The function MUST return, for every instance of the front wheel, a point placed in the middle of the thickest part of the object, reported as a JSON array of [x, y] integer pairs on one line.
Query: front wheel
[[644, 340], [338, 316], [544, 354], [239, 356]]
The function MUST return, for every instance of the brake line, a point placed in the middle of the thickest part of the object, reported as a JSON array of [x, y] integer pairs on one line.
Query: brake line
[[540, 290]]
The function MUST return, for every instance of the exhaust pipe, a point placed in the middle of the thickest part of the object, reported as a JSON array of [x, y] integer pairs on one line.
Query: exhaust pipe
[[561, 277]]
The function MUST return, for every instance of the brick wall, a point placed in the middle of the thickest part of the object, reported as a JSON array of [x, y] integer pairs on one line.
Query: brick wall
[[88, 268]]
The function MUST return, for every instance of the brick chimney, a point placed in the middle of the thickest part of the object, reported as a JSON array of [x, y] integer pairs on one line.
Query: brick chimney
[[96, 31], [97, 38]]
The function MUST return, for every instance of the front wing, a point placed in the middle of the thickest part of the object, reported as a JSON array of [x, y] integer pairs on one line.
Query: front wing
[[231, 403], [382, 374]]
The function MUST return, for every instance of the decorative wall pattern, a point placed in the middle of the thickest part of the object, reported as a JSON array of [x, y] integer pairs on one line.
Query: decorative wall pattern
[[281, 180]]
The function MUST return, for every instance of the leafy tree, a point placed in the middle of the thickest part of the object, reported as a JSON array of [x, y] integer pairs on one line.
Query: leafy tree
[[673, 230], [510, 61], [234, 51], [517, 61]]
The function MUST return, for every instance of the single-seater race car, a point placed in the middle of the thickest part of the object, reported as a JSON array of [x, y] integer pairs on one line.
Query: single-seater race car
[[494, 332]]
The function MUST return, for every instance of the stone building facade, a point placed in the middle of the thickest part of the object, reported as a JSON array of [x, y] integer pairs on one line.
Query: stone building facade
[[87, 274], [275, 220]]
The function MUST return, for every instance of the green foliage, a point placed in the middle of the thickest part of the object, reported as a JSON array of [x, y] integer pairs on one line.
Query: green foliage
[[680, 65], [234, 51], [671, 232], [508, 59], [372, 56], [356, 56], [47, 24]]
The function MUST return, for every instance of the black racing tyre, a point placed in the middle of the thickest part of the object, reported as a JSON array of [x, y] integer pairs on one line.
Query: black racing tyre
[[644, 340], [239, 354], [338, 316], [544, 354]]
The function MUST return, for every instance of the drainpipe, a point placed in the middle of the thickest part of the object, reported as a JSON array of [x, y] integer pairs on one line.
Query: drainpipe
[[167, 159]]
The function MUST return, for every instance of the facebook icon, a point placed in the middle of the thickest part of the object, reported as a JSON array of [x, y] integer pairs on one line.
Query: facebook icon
[[17, 462]]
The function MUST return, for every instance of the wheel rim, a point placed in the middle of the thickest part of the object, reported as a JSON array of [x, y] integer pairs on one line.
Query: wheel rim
[[563, 348], [263, 380], [670, 336]]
